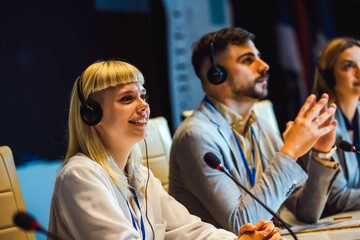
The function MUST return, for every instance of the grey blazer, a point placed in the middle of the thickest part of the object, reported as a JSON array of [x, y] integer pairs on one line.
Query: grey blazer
[[345, 193], [214, 197]]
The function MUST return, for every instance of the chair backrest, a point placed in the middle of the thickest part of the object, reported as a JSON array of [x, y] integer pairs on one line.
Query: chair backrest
[[37, 180], [11, 199], [158, 144], [263, 108]]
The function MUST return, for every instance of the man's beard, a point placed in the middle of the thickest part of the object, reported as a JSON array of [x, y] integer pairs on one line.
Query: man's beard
[[250, 90]]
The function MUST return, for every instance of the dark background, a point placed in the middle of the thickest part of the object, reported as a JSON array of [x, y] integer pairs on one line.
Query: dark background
[[45, 45]]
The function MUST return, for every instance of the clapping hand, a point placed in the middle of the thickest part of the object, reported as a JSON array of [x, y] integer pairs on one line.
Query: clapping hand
[[314, 126]]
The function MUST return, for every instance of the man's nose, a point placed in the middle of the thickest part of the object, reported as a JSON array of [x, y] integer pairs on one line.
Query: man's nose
[[263, 66]]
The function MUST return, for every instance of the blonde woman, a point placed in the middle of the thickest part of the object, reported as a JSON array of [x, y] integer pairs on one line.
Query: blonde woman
[[102, 191], [338, 74]]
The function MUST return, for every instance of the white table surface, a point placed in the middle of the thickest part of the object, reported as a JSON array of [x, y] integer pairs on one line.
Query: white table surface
[[338, 234]]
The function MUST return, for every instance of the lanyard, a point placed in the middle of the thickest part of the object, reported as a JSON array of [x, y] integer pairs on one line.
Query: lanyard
[[132, 217], [251, 174]]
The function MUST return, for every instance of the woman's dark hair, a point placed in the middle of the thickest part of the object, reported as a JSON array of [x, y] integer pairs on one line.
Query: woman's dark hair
[[324, 81]]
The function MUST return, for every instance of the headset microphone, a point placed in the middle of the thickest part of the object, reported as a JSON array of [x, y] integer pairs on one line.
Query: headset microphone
[[214, 162], [146, 187]]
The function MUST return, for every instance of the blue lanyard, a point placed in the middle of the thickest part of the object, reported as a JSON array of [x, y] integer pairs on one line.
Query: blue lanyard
[[132, 217], [251, 174]]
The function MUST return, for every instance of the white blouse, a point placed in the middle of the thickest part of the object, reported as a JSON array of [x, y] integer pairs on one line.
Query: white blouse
[[86, 204]]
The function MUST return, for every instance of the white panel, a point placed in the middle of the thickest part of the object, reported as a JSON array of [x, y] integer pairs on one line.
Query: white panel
[[187, 21], [123, 5]]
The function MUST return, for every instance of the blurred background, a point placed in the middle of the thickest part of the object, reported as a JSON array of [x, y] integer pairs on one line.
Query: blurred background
[[45, 45]]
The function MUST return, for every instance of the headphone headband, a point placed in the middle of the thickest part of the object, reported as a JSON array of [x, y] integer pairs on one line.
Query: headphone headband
[[80, 94], [217, 74], [212, 52]]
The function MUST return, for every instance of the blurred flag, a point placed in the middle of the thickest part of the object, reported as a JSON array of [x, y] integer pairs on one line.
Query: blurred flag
[[289, 60], [303, 36], [325, 30]]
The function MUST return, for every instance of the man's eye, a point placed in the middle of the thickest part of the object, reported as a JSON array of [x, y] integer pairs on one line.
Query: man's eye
[[248, 60]]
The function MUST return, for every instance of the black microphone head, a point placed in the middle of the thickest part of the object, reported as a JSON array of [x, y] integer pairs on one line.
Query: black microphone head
[[346, 146], [25, 221], [212, 160]]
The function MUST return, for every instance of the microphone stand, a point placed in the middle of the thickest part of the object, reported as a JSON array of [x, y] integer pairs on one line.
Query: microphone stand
[[49, 234], [262, 204]]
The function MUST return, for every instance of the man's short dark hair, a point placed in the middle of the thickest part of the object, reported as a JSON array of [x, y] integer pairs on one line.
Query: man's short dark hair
[[223, 37]]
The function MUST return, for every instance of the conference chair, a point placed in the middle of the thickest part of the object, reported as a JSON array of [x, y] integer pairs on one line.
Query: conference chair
[[263, 108], [11, 199], [158, 145]]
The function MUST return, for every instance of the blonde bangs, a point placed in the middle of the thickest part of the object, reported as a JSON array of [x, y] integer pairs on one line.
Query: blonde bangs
[[102, 75]]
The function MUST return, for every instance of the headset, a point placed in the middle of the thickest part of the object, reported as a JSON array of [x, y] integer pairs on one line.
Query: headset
[[217, 74], [90, 111], [327, 74]]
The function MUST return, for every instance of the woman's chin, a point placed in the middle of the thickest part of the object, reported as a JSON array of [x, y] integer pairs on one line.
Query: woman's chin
[[141, 137]]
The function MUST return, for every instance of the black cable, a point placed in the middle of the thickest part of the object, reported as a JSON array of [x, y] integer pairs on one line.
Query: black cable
[[146, 186]]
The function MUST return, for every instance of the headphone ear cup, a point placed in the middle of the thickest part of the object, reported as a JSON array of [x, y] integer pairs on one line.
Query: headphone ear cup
[[327, 74], [329, 77], [91, 113], [217, 74]]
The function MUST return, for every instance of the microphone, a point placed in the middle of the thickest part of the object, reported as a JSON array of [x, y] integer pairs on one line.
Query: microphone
[[26, 222], [214, 162], [347, 147]]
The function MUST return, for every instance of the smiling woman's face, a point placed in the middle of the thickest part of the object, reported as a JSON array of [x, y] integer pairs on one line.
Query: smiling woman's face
[[125, 114], [347, 73]]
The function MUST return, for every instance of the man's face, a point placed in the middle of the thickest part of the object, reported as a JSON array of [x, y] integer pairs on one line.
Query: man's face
[[247, 73]]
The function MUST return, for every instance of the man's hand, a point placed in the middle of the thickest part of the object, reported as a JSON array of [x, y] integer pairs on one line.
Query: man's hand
[[261, 230], [314, 124]]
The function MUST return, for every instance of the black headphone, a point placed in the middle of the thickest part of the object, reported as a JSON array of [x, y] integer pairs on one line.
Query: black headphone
[[327, 74], [217, 74], [90, 111]]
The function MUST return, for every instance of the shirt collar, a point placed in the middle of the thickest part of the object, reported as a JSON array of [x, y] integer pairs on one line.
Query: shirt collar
[[235, 120], [139, 177], [350, 125]]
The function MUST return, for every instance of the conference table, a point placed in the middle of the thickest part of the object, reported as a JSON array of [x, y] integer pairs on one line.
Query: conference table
[[342, 226]]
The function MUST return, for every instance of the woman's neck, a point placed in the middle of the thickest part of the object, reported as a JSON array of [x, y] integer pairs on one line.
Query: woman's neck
[[120, 156], [348, 106]]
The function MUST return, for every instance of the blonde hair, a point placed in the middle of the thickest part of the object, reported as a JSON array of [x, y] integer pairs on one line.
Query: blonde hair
[[324, 81], [84, 138]]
